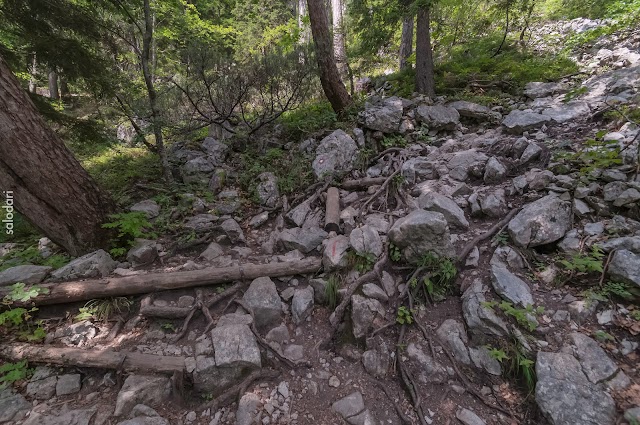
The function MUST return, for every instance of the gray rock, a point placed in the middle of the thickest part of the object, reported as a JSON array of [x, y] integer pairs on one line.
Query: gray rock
[[216, 150], [377, 359], [518, 121], [237, 318], [27, 274], [279, 334], [467, 417], [581, 310], [434, 201], [510, 286], [422, 232], [248, 409], [228, 202], [263, 299], [627, 198], [68, 384], [389, 284], [384, 116], [611, 175], [304, 240], [77, 333], [42, 385], [143, 252], [335, 153], [197, 170], [565, 395], [568, 111], [505, 255], [349, 406], [372, 290], [629, 243], [430, 369], [531, 153], [494, 171], [541, 222], [294, 352], [632, 414], [467, 162], [455, 336], [535, 90], [319, 290], [201, 223], [11, 404], [235, 346], [482, 359], [267, 189], [141, 389], [418, 169], [613, 190], [473, 110], [365, 240], [595, 363], [71, 417], [624, 267], [493, 204], [94, 264], [212, 252], [259, 219], [334, 256], [298, 214], [364, 312], [302, 304], [480, 319], [233, 231], [438, 117], [148, 206]]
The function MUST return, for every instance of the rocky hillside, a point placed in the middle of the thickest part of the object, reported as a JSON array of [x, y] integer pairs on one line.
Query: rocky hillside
[[452, 263]]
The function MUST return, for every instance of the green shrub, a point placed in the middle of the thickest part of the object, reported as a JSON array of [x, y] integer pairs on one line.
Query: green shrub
[[31, 255], [307, 119], [18, 320], [130, 226]]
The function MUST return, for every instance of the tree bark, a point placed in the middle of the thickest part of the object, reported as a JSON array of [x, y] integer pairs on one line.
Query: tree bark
[[50, 187], [103, 359], [66, 292], [54, 93], [33, 71], [332, 85], [425, 80], [406, 41], [64, 89], [146, 60], [339, 43]]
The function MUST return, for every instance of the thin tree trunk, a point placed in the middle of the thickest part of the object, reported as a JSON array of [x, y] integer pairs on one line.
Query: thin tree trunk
[[332, 85], [147, 41], [50, 187], [339, 44], [504, 37], [425, 80], [406, 42], [33, 79], [53, 85]]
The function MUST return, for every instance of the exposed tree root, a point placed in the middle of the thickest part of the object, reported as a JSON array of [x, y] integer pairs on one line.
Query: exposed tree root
[[407, 379], [238, 390], [404, 418]]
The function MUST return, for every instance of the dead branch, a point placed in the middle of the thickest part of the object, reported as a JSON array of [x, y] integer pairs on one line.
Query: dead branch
[[380, 190], [238, 390], [66, 292], [362, 183], [407, 379], [105, 359]]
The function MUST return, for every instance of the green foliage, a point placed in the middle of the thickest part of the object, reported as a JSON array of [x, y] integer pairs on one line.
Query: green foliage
[[613, 291], [31, 255], [603, 336], [574, 93], [168, 327], [361, 261], [500, 238], [525, 317], [516, 363], [104, 309], [13, 372], [18, 320], [333, 284], [395, 254], [596, 154], [404, 316], [395, 140], [439, 277], [585, 263], [129, 225], [497, 354], [308, 119]]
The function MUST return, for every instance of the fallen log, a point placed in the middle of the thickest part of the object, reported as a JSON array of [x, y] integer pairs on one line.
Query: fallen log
[[362, 183], [105, 359], [83, 290], [332, 215]]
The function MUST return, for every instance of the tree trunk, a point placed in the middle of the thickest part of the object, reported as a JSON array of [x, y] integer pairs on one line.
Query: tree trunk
[[50, 187], [146, 59], [53, 85], [64, 89], [406, 42], [33, 71], [333, 87], [425, 81], [339, 44]]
